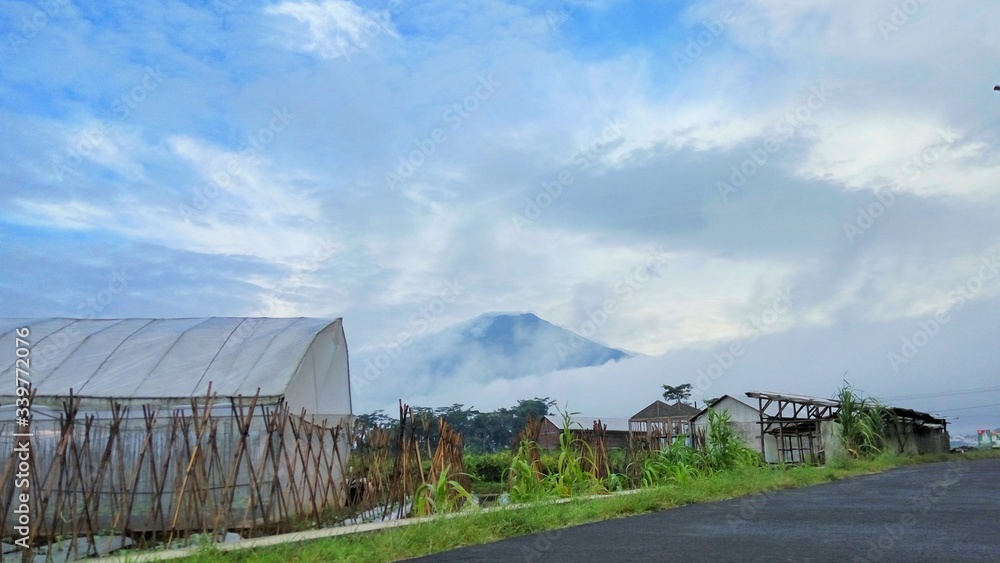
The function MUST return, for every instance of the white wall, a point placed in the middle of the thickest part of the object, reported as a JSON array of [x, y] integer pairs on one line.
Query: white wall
[[746, 422]]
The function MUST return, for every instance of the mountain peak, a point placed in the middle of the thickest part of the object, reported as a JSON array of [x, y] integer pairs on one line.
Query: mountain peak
[[501, 345]]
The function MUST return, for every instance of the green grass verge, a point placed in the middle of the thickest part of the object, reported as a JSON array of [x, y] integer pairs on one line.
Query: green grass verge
[[422, 539]]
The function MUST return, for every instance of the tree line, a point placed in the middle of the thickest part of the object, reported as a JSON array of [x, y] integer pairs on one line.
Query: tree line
[[490, 431]]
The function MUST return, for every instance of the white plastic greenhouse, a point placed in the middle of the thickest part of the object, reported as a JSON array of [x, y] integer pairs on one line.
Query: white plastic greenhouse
[[168, 361], [159, 427]]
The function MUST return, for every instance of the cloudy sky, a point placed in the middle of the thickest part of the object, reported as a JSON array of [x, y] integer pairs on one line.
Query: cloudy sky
[[812, 182]]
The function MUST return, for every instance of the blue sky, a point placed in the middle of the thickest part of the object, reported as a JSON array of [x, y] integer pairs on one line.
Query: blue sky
[[330, 158]]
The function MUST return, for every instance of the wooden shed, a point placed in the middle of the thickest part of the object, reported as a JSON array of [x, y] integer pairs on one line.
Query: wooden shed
[[661, 422], [805, 429]]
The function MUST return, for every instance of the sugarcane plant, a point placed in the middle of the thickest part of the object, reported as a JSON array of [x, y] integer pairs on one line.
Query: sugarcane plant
[[864, 422]]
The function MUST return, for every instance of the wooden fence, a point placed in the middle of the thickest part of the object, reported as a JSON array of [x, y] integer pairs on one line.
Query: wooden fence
[[222, 465]]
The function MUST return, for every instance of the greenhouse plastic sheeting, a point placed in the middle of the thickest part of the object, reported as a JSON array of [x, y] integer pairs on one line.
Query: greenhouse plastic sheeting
[[177, 358]]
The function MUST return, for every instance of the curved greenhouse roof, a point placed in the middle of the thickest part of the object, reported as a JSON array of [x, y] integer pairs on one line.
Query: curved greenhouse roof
[[301, 360]]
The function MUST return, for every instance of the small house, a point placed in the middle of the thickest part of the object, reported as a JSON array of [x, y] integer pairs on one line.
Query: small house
[[615, 431]]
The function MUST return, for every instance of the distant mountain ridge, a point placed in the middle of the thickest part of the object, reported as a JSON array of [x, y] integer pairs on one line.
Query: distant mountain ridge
[[496, 346], [514, 333]]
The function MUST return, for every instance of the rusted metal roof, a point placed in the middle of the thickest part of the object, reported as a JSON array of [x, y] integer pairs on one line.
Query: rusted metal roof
[[901, 412], [911, 414]]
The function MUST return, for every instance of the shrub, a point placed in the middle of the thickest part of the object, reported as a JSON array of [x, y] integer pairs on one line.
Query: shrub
[[488, 467], [617, 461]]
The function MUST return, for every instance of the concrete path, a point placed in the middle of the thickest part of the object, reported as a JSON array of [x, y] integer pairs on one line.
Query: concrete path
[[934, 512]]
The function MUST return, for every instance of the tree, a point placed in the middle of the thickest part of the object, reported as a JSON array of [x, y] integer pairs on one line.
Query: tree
[[678, 394], [534, 408], [376, 419], [481, 431]]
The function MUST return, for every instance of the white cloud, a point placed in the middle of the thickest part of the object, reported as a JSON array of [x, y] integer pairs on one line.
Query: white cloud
[[72, 215], [903, 153], [336, 28], [390, 252], [237, 205]]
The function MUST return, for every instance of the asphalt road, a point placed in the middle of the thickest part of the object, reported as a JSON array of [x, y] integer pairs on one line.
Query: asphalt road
[[934, 512]]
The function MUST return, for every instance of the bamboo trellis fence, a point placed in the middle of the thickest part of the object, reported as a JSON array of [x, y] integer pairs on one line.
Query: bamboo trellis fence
[[252, 468]]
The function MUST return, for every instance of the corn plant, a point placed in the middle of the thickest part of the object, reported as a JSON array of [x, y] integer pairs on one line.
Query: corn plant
[[724, 449], [438, 497], [567, 478], [524, 476], [570, 477], [676, 464], [680, 463], [615, 482]]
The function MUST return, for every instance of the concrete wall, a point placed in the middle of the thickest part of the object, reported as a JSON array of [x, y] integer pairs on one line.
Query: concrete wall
[[913, 439], [830, 443]]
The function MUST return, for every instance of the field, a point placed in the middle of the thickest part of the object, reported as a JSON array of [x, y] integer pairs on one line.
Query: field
[[479, 526]]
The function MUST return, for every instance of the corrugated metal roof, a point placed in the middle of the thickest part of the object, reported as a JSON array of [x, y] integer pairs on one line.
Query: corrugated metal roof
[[160, 358]]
